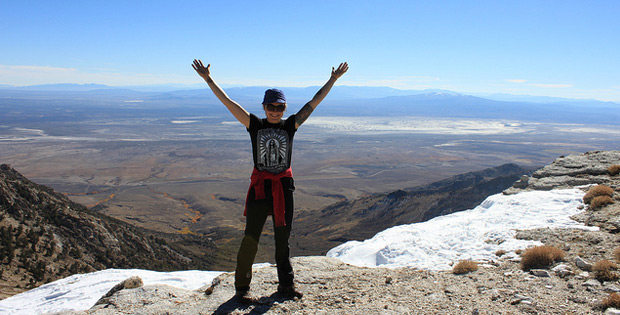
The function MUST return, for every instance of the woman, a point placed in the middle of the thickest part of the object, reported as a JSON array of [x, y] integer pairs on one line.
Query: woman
[[271, 188]]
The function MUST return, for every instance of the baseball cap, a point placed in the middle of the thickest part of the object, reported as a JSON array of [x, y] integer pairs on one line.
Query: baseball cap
[[274, 96]]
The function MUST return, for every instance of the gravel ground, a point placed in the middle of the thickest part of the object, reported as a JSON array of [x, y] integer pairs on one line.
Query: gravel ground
[[332, 287]]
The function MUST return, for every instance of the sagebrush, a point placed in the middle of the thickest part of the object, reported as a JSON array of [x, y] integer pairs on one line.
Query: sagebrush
[[598, 190], [614, 170], [605, 270], [540, 257], [600, 201], [612, 300], [617, 254], [464, 266]]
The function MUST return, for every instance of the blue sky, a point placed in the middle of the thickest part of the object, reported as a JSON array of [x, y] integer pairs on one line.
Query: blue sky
[[551, 48]]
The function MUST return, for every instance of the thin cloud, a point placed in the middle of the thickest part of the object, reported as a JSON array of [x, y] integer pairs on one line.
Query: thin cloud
[[400, 82], [553, 85], [46, 69], [32, 75], [540, 85]]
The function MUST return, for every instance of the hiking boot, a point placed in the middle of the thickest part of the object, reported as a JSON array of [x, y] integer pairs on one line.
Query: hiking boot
[[289, 292], [244, 296]]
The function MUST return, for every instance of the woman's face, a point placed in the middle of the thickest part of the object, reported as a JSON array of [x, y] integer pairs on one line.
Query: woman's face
[[274, 112]]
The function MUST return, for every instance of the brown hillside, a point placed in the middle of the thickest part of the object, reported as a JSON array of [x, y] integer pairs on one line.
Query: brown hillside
[[44, 236]]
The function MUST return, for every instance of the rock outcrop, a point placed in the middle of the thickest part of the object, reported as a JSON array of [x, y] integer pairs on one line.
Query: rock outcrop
[[571, 171]]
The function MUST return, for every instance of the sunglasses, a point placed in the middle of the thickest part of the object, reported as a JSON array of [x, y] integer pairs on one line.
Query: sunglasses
[[274, 108]]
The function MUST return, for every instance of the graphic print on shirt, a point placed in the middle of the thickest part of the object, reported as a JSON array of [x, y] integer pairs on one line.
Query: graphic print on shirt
[[272, 150]]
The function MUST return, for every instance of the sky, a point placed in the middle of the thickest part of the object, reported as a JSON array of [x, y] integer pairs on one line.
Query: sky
[[547, 48], [475, 234]]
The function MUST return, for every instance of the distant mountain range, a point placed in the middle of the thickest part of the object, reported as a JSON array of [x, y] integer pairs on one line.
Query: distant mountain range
[[338, 92], [342, 101]]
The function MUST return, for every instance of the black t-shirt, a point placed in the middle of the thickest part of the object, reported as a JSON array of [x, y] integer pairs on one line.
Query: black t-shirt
[[272, 144]]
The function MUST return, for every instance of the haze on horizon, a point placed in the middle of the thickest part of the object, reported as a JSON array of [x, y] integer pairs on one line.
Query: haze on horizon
[[543, 48]]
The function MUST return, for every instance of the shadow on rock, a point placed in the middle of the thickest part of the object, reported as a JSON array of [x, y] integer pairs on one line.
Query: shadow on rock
[[252, 306]]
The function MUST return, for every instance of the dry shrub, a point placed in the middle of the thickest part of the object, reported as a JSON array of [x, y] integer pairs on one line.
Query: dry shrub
[[612, 300], [598, 190], [465, 266], [617, 254], [600, 201], [604, 270], [540, 257], [614, 170]]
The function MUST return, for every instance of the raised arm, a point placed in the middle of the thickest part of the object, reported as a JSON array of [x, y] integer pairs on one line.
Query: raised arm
[[305, 111], [239, 112]]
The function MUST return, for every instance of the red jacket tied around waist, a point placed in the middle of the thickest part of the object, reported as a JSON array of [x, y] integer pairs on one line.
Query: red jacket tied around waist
[[277, 191]]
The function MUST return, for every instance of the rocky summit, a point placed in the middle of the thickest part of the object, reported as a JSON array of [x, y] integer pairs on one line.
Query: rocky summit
[[575, 284]]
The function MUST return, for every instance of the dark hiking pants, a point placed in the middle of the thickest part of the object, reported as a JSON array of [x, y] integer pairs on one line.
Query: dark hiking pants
[[257, 213]]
